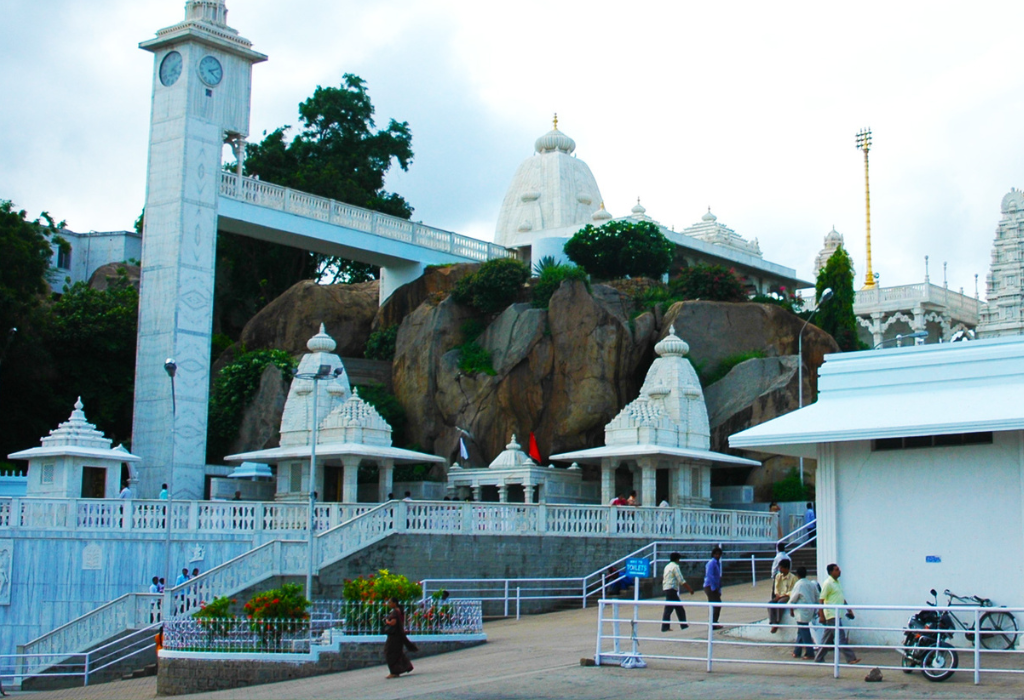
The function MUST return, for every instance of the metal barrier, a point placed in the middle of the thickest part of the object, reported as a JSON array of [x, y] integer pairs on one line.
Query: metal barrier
[[872, 635]]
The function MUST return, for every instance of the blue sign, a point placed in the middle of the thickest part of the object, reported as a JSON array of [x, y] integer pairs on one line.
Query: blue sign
[[638, 567], [932, 559]]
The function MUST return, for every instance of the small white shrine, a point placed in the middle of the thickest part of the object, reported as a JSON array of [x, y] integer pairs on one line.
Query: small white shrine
[[664, 429], [77, 461], [518, 479], [350, 434]]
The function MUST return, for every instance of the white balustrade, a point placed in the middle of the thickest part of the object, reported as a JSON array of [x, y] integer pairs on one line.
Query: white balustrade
[[311, 206]]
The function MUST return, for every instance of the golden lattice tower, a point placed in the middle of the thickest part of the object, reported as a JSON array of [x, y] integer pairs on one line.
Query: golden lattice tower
[[864, 143]]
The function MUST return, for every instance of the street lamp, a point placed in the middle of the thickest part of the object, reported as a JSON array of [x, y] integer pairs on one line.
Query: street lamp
[[825, 296], [171, 367], [323, 372], [898, 338]]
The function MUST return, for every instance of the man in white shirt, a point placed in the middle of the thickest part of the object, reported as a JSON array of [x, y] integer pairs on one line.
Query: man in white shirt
[[671, 583], [805, 592], [155, 586], [779, 556], [126, 492]]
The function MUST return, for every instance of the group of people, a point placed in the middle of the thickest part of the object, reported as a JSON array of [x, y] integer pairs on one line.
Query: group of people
[[623, 500], [673, 581], [787, 587]]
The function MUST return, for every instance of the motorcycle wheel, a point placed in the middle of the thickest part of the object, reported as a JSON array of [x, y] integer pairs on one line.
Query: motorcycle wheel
[[939, 663]]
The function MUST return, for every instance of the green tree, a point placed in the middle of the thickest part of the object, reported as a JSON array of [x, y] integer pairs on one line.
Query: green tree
[[836, 316], [494, 286], [708, 282], [337, 153], [26, 250], [621, 249]]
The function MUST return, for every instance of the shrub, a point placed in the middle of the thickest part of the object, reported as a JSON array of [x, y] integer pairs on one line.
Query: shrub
[[380, 587], [550, 278], [473, 359], [794, 305], [216, 617], [494, 286], [789, 489], [274, 612], [708, 282], [381, 344], [233, 389], [621, 249], [726, 365]]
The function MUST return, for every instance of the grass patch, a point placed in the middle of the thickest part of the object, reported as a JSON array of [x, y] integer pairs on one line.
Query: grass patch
[[474, 359]]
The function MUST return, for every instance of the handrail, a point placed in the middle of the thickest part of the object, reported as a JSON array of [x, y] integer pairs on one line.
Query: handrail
[[265, 194]]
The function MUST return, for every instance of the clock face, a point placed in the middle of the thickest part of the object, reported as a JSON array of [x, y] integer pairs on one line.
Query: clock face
[[210, 71], [170, 68]]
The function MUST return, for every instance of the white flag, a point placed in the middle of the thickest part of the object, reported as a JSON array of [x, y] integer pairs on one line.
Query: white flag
[[462, 450]]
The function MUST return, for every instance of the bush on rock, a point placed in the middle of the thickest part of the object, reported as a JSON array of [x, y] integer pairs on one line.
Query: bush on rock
[[621, 249], [494, 286]]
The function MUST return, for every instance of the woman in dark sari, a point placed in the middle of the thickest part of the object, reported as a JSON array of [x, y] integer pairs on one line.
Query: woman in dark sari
[[394, 647]]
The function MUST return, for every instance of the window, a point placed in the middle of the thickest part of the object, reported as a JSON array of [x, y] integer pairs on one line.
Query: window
[[46, 475], [917, 441], [64, 257]]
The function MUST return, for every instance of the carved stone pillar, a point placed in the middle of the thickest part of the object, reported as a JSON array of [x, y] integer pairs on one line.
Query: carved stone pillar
[[350, 479], [528, 492], [478, 491], [607, 481], [648, 482], [876, 329], [502, 493], [386, 483]]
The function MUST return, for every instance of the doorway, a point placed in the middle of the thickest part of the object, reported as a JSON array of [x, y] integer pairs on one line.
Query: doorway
[[333, 484], [94, 482]]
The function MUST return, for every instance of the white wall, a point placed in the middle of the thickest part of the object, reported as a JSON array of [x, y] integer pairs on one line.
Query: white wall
[[895, 508]]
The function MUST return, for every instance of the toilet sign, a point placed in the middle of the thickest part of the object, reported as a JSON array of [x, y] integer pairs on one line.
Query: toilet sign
[[638, 567]]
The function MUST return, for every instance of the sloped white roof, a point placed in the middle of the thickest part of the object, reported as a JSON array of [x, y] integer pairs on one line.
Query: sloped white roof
[[77, 437], [333, 449], [903, 392]]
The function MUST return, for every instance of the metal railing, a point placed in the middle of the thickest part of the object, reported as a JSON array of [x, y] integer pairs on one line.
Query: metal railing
[[265, 194], [631, 629]]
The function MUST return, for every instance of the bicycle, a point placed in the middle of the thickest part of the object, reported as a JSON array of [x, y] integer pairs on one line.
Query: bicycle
[[998, 628]]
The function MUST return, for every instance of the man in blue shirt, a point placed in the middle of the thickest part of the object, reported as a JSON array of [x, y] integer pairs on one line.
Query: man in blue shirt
[[713, 582]]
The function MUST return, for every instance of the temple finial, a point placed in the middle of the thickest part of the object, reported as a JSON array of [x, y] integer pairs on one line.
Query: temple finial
[[554, 121]]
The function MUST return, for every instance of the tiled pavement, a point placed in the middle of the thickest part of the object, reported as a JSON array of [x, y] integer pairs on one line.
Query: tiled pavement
[[539, 656]]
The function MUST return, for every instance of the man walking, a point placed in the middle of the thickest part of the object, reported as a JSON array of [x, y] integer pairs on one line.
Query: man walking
[[805, 592], [671, 583], [832, 594], [713, 582], [810, 520]]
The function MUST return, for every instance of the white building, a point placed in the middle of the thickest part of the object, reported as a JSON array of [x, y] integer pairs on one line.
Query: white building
[[920, 480], [1004, 314], [553, 194], [662, 437], [87, 252]]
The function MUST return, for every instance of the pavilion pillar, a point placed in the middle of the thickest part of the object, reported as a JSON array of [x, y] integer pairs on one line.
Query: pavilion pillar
[[386, 476], [683, 480], [528, 492], [503, 492], [876, 327], [648, 482], [478, 492], [350, 479], [607, 481]]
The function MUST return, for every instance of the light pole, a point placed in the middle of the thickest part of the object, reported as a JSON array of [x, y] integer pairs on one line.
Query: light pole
[[898, 338], [825, 296], [324, 372], [171, 367]]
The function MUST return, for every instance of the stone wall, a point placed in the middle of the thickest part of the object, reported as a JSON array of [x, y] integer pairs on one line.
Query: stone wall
[[178, 676]]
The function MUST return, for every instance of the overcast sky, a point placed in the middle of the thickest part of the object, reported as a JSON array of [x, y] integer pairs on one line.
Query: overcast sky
[[750, 108]]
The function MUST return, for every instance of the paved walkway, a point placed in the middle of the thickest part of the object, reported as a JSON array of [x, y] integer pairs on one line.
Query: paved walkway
[[539, 657]]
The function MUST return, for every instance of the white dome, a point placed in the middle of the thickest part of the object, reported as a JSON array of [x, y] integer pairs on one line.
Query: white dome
[[550, 190]]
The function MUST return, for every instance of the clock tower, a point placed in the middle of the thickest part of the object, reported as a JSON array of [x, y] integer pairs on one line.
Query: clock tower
[[202, 82]]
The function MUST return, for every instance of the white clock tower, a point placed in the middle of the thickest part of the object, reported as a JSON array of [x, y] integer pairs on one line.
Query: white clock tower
[[202, 81]]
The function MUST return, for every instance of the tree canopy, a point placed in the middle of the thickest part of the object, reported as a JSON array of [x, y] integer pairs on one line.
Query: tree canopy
[[621, 249], [337, 153], [836, 315], [25, 248]]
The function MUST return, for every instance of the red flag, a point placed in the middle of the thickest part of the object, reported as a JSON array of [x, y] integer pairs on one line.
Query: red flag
[[534, 451]]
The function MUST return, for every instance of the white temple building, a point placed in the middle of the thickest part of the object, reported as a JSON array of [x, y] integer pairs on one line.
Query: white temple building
[[350, 434], [1004, 285], [514, 477], [553, 194], [77, 461], [664, 430]]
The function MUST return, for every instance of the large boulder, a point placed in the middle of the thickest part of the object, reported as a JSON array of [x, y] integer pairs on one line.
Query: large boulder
[[719, 331], [435, 283], [260, 428], [105, 274], [286, 323], [752, 393], [561, 373]]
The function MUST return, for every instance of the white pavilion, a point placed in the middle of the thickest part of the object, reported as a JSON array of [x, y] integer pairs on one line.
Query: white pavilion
[[665, 430], [350, 434]]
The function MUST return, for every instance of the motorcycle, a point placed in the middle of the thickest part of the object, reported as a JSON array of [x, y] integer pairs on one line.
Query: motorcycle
[[925, 644]]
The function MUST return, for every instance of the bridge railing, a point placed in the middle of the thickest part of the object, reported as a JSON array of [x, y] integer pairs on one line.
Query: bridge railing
[[265, 194]]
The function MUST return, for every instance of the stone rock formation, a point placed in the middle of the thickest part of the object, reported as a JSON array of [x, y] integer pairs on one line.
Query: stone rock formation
[[104, 274], [346, 310], [261, 421], [435, 282], [562, 373]]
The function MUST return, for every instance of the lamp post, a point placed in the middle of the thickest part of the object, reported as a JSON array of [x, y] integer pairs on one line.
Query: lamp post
[[899, 338], [323, 372], [825, 296], [171, 367]]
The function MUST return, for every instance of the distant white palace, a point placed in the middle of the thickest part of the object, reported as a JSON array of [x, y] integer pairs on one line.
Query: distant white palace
[[553, 194]]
